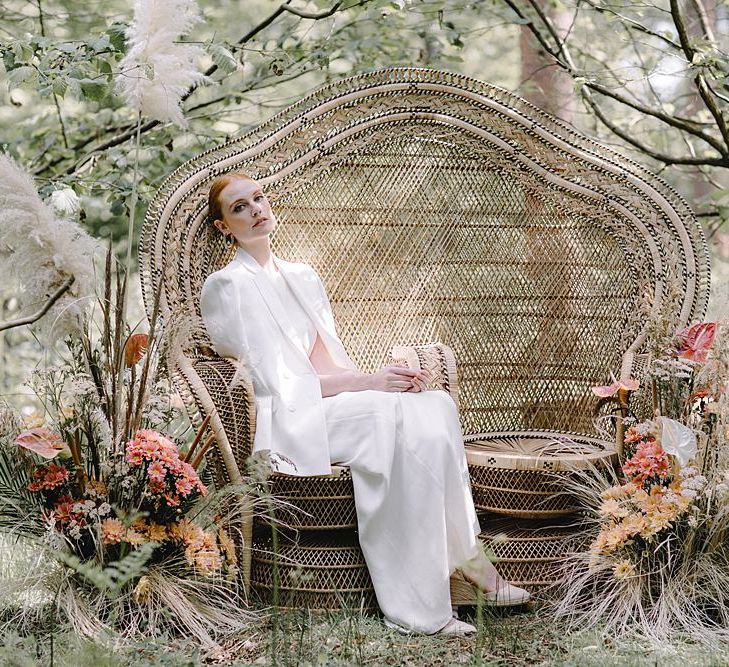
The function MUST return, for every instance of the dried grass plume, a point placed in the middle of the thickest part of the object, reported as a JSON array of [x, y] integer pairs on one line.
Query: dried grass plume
[[40, 251], [157, 71]]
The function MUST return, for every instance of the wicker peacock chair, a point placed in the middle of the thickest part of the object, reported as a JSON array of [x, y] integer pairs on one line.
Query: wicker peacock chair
[[439, 208]]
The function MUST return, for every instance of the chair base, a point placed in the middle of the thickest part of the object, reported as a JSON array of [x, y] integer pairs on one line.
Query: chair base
[[319, 571], [527, 554]]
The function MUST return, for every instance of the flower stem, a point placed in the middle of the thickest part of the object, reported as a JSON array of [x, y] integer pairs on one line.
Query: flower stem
[[128, 270]]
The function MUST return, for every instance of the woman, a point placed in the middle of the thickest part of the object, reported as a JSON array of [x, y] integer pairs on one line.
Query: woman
[[404, 445]]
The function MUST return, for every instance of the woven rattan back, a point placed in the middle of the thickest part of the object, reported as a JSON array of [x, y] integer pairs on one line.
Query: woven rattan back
[[436, 207]]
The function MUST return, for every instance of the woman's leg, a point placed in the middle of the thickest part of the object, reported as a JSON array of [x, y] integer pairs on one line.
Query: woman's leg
[[415, 513]]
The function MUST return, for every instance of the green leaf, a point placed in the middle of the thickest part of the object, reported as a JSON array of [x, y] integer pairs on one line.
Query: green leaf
[[24, 75], [60, 86], [223, 58], [93, 90], [116, 37], [114, 576]]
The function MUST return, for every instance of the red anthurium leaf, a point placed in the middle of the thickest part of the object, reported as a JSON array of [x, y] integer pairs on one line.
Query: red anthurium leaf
[[43, 442]]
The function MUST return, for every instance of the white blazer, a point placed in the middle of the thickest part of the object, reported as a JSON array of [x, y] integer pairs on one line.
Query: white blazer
[[246, 320]]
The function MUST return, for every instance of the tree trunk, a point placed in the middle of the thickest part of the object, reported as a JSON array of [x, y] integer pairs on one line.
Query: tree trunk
[[543, 83]]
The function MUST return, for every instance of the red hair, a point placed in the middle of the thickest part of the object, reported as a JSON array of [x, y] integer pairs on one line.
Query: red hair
[[215, 211]]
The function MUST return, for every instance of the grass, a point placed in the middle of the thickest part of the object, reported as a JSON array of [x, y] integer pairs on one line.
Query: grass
[[303, 638]]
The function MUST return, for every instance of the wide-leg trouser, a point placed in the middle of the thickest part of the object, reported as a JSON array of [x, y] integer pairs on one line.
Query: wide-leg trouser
[[417, 522]]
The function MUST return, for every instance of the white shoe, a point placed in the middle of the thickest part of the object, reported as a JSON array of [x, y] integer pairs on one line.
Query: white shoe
[[456, 627], [453, 627], [506, 596]]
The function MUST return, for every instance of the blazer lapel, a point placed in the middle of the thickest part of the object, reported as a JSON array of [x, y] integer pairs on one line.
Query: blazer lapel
[[269, 295]]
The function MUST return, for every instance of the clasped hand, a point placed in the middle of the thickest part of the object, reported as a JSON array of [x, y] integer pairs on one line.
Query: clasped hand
[[399, 378]]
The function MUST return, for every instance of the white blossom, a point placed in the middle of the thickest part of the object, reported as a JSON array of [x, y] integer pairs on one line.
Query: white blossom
[[40, 252], [65, 202], [157, 70], [102, 428]]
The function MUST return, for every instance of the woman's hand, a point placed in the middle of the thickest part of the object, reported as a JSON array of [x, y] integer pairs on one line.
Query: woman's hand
[[398, 378]]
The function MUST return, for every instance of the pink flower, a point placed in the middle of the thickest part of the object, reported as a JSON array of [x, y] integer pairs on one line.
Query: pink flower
[[134, 456], [611, 389], [156, 486], [49, 477], [148, 449], [183, 486], [696, 341], [157, 472], [649, 460]]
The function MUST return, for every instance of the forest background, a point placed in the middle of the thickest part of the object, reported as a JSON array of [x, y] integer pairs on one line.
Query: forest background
[[649, 78]]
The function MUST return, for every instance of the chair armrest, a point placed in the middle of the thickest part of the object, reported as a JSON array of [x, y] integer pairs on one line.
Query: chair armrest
[[213, 385], [436, 358]]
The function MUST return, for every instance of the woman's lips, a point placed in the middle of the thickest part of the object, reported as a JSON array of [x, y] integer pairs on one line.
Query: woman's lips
[[255, 224]]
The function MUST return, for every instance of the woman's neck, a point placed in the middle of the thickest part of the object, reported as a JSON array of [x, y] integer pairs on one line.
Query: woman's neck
[[261, 252]]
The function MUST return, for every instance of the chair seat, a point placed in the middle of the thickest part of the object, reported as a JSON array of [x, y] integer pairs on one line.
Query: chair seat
[[526, 474]]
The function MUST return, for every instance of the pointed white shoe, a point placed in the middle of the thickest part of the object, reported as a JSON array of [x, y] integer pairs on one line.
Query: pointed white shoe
[[506, 596], [457, 628], [453, 627]]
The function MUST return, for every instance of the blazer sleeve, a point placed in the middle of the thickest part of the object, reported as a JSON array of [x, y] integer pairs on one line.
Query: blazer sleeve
[[220, 312]]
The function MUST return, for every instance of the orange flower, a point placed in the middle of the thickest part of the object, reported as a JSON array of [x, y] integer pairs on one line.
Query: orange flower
[[623, 569], [157, 532], [112, 531], [135, 348]]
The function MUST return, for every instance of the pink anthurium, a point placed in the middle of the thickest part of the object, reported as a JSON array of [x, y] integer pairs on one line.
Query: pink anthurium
[[608, 390], [43, 442], [696, 341]]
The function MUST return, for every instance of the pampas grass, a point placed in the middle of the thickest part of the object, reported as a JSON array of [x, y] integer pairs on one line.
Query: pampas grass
[[680, 588], [41, 251], [157, 70]]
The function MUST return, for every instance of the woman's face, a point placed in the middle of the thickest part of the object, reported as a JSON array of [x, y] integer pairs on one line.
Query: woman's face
[[247, 214]]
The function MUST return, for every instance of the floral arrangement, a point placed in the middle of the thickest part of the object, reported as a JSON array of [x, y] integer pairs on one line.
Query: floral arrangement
[[645, 510], [103, 484], [152, 480], [658, 528]]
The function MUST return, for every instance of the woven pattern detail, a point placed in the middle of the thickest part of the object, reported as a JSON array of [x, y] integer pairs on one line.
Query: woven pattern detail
[[537, 450], [529, 553], [526, 474], [437, 359], [519, 493], [315, 503], [320, 571]]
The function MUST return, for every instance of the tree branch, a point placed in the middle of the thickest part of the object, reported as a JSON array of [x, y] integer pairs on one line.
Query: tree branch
[[127, 131], [29, 319], [699, 80], [644, 148], [634, 25]]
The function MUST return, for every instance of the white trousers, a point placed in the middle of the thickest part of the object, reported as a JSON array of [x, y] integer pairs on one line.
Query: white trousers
[[417, 522]]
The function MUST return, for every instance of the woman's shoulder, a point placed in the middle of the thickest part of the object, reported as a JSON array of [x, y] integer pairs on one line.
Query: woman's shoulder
[[224, 276]]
